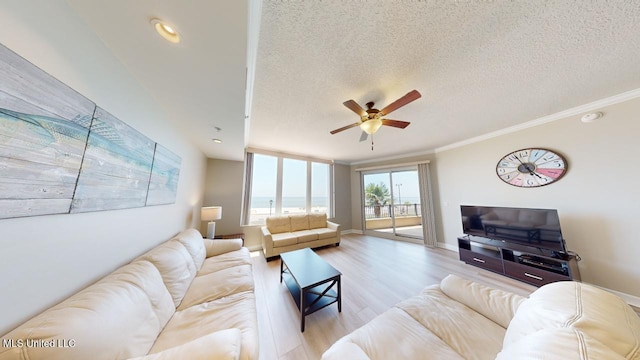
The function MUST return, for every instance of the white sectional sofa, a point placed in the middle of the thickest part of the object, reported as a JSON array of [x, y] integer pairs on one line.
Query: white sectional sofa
[[460, 319], [188, 298], [293, 232]]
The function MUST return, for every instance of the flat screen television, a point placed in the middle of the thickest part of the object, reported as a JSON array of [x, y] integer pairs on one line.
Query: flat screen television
[[539, 228]]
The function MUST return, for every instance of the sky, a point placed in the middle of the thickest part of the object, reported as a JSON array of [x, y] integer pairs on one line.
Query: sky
[[405, 183], [294, 177]]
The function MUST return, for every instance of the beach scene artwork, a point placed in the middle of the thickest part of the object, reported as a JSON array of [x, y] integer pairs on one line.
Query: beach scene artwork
[[163, 185], [60, 153], [44, 126], [116, 167]]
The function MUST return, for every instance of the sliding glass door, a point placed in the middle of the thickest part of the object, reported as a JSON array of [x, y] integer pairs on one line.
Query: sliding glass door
[[392, 203]]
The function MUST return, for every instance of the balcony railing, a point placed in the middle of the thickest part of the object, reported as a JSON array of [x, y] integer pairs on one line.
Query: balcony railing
[[385, 211]]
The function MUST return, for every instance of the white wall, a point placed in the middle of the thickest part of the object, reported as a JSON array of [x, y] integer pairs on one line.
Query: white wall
[[45, 259], [598, 199], [223, 187]]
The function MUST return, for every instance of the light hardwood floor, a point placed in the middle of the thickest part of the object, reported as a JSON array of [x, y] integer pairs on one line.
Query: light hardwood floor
[[376, 274]]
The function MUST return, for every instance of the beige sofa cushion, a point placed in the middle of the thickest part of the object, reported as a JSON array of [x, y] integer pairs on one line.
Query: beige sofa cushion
[[278, 224], [221, 246], [217, 285], [497, 305], [394, 334], [299, 222], [192, 240], [175, 265], [583, 308], [317, 221], [234, 311], [226, 260], [118, 317], [464, 330], [306, 235], [558, 343], [220, 345], [284, 239], [345, 350]]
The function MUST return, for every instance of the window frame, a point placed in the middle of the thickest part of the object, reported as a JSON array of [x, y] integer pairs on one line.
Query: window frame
[[247, 194]]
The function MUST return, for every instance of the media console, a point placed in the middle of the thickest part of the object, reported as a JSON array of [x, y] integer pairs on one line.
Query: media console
[[525, 263]]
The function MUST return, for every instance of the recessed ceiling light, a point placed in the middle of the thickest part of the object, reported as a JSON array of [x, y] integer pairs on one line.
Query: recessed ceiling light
[[217, 141], [165, 30]]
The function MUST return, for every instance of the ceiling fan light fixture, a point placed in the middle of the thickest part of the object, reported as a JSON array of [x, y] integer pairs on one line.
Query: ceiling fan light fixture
[[371, 126], [165, 30]]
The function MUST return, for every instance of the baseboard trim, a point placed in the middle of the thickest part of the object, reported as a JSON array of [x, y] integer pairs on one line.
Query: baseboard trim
[[353, 231], [447, 246]]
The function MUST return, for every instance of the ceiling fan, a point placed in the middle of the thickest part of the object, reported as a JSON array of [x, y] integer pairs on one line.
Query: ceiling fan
[[371, 119]]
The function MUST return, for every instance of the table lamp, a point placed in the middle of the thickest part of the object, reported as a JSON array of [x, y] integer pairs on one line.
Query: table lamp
[[211, 213]]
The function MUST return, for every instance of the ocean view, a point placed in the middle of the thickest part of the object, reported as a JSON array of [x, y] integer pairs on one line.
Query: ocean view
[[288, 202]]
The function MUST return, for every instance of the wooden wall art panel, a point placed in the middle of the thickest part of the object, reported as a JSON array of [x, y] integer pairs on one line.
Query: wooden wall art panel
[[60, 153]]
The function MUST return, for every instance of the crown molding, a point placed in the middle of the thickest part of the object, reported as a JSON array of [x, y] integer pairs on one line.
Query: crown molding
[[394, 157], [578, 110]]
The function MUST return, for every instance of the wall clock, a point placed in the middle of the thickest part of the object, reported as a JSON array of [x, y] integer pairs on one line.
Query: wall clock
[[531, 167]]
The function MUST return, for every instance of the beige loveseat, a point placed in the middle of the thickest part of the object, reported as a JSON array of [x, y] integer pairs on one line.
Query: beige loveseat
[[293, 232], [188, 298], [460, 319]]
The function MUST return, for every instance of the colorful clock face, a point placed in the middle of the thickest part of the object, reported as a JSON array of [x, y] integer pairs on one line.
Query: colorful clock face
[[531, 167]]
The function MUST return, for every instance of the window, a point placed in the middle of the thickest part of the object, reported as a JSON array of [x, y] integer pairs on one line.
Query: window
[[320, 189], [263, 195], [278, 184]]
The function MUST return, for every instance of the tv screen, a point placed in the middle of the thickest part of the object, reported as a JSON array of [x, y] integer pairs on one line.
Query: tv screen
[[538, 228]]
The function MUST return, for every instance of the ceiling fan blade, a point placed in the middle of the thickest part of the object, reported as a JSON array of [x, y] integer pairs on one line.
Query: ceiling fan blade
[[364, 136], [344, 128], [353, 106], [409, 97], [395, 123]]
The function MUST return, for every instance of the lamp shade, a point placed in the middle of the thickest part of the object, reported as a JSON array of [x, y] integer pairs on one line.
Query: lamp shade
[[210, 213], [371, 126]]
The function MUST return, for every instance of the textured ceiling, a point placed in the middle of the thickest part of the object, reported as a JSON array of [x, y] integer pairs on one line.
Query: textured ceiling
[[480, 66]]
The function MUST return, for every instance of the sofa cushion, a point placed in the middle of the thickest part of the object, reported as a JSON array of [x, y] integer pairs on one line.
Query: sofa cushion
[[568, 304], [234, 311], [284, 239], [306, 235], [222, 345], [221, 246], [224, 261], [317, 221], [175, 265], [497, 305], [299, 222], [461, 328], [118, 317], [217, 285], [325, 233], [192, 240], [278, 224], [394, 334], [558, 343], [345, 350]]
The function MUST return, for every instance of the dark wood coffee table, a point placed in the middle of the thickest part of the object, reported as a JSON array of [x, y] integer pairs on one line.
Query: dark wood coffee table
[[310, 281]]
